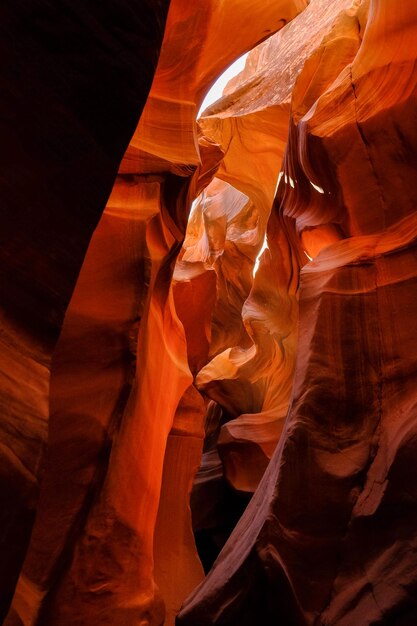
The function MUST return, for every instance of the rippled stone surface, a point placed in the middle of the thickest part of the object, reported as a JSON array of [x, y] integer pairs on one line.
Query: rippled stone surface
[[328, 536], [121, 418], [199, 311]]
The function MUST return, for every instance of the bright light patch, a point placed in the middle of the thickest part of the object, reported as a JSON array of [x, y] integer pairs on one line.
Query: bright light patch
[[287, 179], [193, 205], [258, 258], [310, 258], [201, 199], [316, 187], [216, 90], [280, 175]]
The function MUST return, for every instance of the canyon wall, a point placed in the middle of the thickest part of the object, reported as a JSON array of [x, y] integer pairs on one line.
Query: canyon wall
[[215, 313], [329, 536], [74, 83]]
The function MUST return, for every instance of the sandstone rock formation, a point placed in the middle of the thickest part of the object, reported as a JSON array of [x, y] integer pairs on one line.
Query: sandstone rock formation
[[74, 82], [120, 367], [225, 301], [328, 537]]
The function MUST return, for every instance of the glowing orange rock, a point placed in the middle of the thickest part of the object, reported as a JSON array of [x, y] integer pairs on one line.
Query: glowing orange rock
[[193, 55], [94, 359], [288, 306], [72, 96], [177, 567], [101, 509], [257, 329], [329, 536]]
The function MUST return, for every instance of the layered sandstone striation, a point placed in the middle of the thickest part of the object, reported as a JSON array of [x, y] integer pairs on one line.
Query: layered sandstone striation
[[124, 426], [328, 537], [73, 89], [196, 311]]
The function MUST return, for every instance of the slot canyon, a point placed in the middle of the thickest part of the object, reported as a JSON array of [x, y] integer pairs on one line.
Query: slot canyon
[[208, 341]]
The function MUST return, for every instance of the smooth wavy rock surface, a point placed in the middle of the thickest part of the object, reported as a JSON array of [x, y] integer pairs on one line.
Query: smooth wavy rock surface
[[120, 379], [73, 88], [329, 537], [207, 316]]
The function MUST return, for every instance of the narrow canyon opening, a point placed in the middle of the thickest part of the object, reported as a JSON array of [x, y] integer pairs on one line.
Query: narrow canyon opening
[[224, 245]]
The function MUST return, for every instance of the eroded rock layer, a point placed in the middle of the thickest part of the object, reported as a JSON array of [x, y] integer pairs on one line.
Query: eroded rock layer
[[74, 82], [123, 412], [328, 537], [199, 311]]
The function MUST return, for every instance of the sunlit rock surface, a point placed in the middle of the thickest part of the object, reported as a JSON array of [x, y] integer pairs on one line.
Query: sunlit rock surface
[[118, 419], [329, 537], [198, 311], [256, 317]]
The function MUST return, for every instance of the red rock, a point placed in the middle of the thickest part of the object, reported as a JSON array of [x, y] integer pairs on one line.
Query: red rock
[[328, 537], [177, 567], [72, 93], [91, 556], [264, 345]]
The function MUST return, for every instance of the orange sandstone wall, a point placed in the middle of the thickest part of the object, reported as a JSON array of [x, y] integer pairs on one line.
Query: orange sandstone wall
[[124, 419], [329, 535], [72, 92], [263, 346]]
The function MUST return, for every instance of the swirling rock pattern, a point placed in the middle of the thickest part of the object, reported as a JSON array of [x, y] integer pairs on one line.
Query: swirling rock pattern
[[328, 537], [234, 293], [120, 381], [74, 82]]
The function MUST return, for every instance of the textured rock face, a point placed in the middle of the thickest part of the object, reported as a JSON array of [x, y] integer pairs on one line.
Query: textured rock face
[[265, 347], [328, 537], [121, 418], [72, 93]]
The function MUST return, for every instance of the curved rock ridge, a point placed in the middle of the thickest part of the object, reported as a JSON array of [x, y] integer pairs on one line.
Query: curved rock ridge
[[252, 378], [329, 536], [192, 58], [73, 89], [124, 416], [208, 354]]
